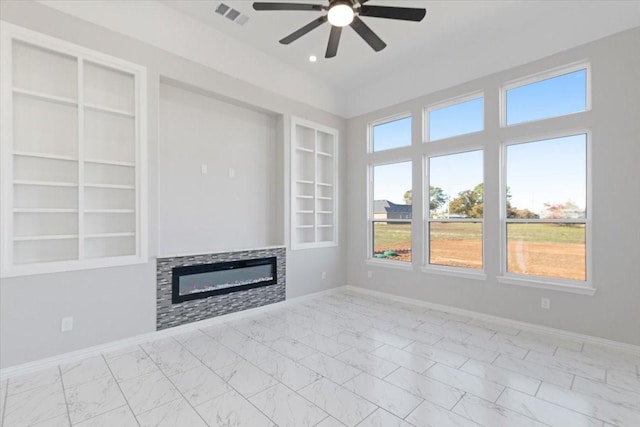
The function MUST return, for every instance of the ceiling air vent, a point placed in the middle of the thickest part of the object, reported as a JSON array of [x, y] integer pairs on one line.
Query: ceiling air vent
[[231, 14]]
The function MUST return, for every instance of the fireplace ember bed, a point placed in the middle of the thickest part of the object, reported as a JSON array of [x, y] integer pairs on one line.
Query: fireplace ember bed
[[204, 280]]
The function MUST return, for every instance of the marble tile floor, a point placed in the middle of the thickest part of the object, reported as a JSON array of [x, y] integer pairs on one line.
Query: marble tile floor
[[344, 359]]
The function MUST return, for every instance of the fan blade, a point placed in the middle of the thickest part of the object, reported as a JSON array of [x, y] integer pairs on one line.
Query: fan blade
[[334, 40], [390, 12], [286, 6], [304, 30], [369, 36]]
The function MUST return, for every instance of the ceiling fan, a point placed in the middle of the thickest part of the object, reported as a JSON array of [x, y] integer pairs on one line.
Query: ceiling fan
[[341, 13]]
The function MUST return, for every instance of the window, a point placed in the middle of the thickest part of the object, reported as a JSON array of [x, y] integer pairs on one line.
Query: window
[[314, 185], [545, 208], [391, 134], [75, 146], [455, 206], [391, 212], [549, 96], [456, 119]]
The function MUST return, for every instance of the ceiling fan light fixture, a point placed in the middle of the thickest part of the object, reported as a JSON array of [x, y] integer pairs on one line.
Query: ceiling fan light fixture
[[341, 14]]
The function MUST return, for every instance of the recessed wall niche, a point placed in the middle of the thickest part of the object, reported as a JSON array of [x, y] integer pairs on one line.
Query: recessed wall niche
[[219, 174]]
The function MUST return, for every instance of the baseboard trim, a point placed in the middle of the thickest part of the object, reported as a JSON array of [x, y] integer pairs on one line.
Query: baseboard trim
[[37, 365], [532, 327]]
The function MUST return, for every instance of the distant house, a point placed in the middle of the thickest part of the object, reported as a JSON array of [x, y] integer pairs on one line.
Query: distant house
[[384, 209]]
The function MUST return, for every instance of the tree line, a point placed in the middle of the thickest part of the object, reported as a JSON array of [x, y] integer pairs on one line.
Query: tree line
[[468, 203]]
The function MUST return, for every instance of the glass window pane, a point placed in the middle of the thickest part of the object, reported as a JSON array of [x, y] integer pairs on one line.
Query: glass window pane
[[458, 119], [392, 134], [547, 179], [551, 250], [456, 185], [392, 240], [392, 197], [457, 244], [552, 97]]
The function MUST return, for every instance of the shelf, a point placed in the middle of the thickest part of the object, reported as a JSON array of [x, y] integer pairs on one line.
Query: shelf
[[303, 181], [304, 212], [45, 237], [44, 210], [116, 211], [44, 183], [112, 186], [109, 110], [102, 235], [45, 97], [110, 162], [304, 226], [325, 212], [324, 198], [322, 153], [324, 184], [304, 197], [44, 155], [325, 226], [306, 150]]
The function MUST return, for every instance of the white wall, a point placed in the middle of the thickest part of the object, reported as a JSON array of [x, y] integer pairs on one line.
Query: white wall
[[114, 303], [614, 311], [214, 212]]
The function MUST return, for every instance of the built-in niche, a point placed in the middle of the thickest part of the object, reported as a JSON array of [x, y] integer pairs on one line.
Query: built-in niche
[[220, 173]]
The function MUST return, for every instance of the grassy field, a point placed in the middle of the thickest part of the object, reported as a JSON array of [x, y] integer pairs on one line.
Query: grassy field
[[540, 249]]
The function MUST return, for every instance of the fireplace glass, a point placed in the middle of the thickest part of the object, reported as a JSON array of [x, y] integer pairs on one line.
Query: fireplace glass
[[201, 281]]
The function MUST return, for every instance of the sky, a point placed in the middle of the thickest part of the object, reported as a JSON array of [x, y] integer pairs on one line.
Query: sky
[[552, 170]]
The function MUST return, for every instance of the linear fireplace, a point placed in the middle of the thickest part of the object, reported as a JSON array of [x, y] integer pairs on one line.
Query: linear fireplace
[[204, 280], [251, 293]]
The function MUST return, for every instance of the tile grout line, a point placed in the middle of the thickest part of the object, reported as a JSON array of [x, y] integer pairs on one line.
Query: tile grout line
[[119, 388], [173, 384], [3, 404], [64, 393], [227, 383]]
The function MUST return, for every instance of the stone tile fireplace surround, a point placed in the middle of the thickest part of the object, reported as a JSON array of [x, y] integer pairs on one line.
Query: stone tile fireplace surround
[[169, 314]]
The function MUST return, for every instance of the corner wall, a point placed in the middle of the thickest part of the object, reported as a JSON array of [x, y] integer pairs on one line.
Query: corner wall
[[614, 312]]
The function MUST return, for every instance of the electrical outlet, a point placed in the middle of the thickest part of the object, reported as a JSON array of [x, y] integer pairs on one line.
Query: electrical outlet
[[324, 274], [232, 172], [204, 169], [369, 274], [545, 303], [66, 324]]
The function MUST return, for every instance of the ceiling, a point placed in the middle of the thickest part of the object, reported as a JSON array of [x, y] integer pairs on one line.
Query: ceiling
[[492, 30], [457, 42]]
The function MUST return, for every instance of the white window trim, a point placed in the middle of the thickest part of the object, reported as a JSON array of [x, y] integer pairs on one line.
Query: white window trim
[[388, 119], [370, 219], [10, 32], [427, 267], [542, 282], [465, 273], [537, 77], [448, 103]]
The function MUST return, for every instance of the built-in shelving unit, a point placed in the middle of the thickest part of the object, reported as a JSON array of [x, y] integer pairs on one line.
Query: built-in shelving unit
[[73, 149], [314, 190]]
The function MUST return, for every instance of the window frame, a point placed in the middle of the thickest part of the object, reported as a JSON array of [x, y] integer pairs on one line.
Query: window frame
[[387, 119], [544, 282], [448, 103], [404, 265], [538, 77], [11, 33], [427, 266]]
